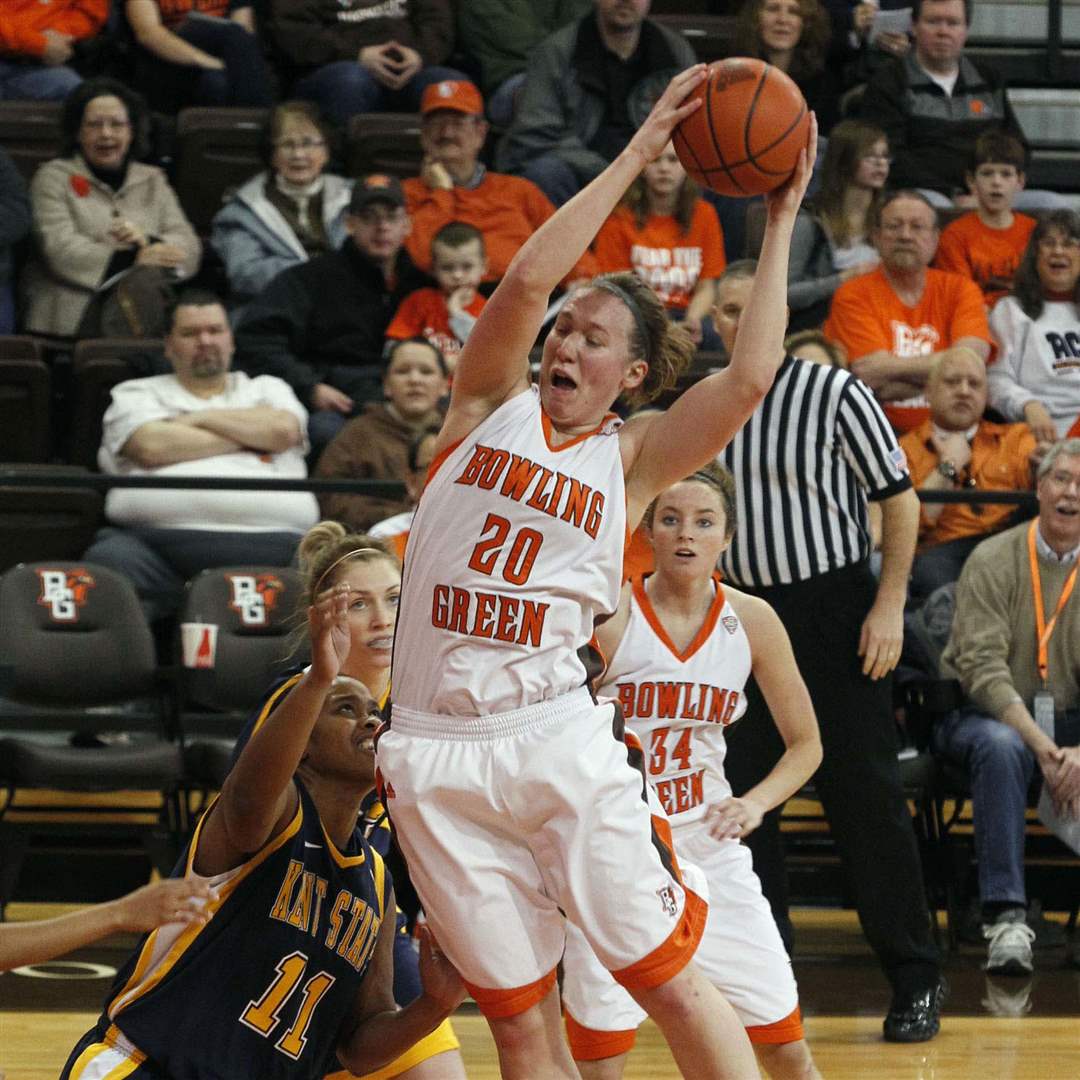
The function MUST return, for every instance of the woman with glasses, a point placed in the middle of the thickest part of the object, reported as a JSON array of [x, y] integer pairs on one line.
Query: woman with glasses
[[1037, 332], [831, 243], [98, 211], [290, 211]]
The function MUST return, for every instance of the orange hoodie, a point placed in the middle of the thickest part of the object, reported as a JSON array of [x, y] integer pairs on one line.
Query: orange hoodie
[[22, 29]]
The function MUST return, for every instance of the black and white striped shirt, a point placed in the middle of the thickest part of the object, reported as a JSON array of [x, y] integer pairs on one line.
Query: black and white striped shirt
[[805, 464]]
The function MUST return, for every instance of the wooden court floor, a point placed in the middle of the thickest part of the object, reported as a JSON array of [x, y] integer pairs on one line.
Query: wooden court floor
[[998, 1029]]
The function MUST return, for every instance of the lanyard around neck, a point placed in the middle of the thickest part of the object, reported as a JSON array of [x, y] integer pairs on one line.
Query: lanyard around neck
[[1043, 629]]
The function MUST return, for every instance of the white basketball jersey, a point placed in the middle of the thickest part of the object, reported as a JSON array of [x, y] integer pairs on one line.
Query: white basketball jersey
[[678, 703], [515, 550]]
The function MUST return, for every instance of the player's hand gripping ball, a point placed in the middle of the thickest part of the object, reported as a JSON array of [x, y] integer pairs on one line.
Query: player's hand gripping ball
[[746, 137]]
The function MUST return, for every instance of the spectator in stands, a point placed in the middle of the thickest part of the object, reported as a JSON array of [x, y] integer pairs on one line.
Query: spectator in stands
[[894, 321], [805, 548], [394, 531], [198, 52], [38, 39], [793, 35], [831, 243], [813, 345], [14, 225], [362, 55], [935, 102], [988, 243], [858, 45], [956, 449], [375, 445], [99, 211], [670, 237], [500, 35], [574, 114], [453, 185], [321, 325], [446, 315], [289, 212], [1036, 376], [202, 420], [1022, 693]]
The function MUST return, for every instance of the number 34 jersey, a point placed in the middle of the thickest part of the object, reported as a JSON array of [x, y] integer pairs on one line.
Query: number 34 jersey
[[678, 703], [515, 550], [262, 988]]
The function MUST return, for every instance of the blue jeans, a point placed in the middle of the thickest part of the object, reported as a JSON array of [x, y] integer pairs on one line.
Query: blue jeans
[[1000, 769], [343, 88], [30, 81]]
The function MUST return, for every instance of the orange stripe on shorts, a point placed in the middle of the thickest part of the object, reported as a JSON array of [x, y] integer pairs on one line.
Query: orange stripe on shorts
[[496, 1004], [589, 1045], [787, 1030], [673, 954]]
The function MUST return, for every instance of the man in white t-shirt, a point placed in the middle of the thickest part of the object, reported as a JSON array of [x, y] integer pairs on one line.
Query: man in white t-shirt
[[209, 421]]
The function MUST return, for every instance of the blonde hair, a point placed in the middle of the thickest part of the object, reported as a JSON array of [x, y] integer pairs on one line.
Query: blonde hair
[[328, 548]]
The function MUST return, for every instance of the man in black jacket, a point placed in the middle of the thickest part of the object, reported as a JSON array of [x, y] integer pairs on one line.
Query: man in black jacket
[[935, 102], [320, 325]]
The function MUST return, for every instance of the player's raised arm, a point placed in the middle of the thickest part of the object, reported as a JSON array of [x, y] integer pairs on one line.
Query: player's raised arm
[[702, 421], [258, 798], [493, 364]]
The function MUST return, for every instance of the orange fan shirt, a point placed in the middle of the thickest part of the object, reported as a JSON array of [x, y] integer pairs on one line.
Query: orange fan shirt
[[1000, 461], [424, 314], [867, 317], [23, 23], [988, 256], [660, 253]]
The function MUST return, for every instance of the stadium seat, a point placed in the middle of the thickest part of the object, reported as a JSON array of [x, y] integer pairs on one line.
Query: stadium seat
[[30, 133], [238, 620], [84, 711], [712, 36], [383, 143], [97, 366], [25, 401], [217, 149]]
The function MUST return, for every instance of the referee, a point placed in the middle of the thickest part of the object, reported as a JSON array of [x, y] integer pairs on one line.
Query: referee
[[817, 449]]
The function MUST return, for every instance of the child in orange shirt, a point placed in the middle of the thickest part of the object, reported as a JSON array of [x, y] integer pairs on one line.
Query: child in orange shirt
[[988, 244], [445, 316], [671, 238]]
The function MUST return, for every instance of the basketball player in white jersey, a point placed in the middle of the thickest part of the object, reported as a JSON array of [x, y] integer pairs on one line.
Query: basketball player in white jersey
[[680, 650], [512, 792]]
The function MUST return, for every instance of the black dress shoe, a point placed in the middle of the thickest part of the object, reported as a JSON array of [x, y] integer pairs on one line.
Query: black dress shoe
[[916, 1016]]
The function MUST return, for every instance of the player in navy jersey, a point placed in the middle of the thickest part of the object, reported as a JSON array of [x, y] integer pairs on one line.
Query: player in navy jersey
[[292, 970]]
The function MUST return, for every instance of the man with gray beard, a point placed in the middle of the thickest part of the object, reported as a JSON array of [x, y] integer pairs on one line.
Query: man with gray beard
[[209, 421]]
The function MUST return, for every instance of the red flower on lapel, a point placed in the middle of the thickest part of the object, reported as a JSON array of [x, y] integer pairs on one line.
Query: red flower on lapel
[[80, 185]]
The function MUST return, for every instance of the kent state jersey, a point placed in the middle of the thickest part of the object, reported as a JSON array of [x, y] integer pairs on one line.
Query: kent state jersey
[[260, 991], [678, 703], [515, 550]]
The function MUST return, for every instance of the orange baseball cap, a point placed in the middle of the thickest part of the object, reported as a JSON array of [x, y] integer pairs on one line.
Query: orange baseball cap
[[460, 96]]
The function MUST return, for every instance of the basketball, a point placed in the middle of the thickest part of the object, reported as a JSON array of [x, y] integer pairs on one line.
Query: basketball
[[746, 137]]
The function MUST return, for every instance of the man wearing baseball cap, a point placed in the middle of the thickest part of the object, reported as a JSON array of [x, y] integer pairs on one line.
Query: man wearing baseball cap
[[454, 185], [320, 325]]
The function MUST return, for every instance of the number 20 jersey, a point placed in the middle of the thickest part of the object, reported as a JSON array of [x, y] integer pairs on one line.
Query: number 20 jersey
[[515, 550], [679, 702]]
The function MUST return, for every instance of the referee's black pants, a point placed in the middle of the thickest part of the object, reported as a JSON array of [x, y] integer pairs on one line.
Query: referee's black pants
[[858, 780]]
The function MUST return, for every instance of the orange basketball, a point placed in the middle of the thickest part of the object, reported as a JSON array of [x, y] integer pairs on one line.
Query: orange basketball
[[746, 137]]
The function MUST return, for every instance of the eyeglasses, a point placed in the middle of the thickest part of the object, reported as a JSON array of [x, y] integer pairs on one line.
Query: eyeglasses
[[379, 216], [106, 123], [885, 158], [290, 145], [1052, 243]]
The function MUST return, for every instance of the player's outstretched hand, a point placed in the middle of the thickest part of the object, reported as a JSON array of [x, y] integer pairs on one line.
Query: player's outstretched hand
[[732, 819], [174, 900], [441, 981], [785, 200], [328, 627], [670, 110]]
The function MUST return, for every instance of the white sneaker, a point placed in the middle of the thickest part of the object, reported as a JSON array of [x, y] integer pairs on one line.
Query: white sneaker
[[1010, 940]]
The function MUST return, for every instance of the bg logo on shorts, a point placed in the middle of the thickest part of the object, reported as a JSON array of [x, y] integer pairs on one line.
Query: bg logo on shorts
[[254, 597], [63, 592], [668, 901]]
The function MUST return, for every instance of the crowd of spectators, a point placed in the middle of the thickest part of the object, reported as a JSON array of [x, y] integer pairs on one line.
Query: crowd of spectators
[[350, 297]]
